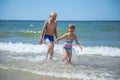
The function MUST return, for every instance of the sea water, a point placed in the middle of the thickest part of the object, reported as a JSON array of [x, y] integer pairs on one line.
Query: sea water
[[99, 60]]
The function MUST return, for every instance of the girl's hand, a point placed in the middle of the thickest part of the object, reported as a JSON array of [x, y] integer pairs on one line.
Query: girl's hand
[[80, 47]]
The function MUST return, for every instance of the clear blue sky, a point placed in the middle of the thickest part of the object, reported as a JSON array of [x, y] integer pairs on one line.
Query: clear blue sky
[[66, 9]]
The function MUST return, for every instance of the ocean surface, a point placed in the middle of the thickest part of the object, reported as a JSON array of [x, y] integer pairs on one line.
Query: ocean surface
[[99, 60]]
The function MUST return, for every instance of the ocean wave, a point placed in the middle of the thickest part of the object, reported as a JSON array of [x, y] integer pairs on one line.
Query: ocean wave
[[82, 75], [29, 31], [22, 33], [22, 48]]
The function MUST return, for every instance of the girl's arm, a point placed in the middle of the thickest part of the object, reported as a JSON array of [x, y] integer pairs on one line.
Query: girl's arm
[[59, 38], [76, 40]]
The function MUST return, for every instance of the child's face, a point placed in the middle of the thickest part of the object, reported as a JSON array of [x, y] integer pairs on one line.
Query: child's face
[[71, 30], [52, 17]]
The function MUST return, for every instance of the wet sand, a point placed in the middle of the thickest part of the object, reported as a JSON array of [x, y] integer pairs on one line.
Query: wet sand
[[10, 74]]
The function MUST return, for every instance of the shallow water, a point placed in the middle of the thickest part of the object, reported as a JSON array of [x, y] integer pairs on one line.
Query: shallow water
[[90, 63]]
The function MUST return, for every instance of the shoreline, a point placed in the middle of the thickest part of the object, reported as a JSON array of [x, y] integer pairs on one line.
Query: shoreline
[[11, 74]]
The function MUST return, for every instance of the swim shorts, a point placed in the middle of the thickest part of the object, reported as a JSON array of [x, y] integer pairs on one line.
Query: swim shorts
[[51, 38]]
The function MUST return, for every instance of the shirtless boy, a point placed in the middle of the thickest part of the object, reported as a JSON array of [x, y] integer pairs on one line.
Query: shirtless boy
[[48, 32]]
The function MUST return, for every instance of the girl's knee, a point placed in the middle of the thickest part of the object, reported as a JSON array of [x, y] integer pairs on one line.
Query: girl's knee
[[65, 56]]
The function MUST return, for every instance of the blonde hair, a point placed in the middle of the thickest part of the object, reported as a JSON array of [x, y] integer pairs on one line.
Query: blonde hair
[[53, 14]]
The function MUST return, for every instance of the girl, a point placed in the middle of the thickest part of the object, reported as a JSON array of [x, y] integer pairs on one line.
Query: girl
[[67, 48]]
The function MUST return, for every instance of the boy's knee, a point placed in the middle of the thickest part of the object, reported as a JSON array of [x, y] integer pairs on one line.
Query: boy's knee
[[51, 47]]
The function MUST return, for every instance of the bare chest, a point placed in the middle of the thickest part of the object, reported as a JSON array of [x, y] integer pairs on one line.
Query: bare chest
[[51, 26]]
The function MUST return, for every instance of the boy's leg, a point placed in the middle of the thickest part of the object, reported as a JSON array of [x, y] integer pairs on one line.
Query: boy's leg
[[51, 51], [64, 56], [50, 48]]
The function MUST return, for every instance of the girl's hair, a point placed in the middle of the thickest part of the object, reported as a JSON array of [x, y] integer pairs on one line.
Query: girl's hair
[[71, 26]]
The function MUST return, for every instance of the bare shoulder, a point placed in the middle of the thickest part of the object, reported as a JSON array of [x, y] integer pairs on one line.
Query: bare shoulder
[[65, 35], [55, 23], [46, 22]]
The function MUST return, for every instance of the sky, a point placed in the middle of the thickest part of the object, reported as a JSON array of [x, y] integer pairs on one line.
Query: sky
[[65, 9]]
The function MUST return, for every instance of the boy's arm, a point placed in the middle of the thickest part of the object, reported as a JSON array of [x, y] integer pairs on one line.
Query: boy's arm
[[76, 40], [59, 38], [42, 33], [56, 31]]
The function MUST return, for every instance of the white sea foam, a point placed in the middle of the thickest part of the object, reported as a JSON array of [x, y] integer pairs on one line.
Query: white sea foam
[[36, 48], [84, 75], [28, 58], [31, 25], [29, 31], [22, 48]]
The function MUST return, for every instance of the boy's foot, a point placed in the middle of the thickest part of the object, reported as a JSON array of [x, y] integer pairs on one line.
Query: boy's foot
[[62, 60], [46, 57]]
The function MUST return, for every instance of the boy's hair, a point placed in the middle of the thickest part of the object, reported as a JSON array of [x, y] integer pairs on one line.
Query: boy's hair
[[53, 14], [72, 26]]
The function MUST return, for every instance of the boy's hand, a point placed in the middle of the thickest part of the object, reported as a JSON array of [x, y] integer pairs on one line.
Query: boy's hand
[[56, 41], [40, 42]]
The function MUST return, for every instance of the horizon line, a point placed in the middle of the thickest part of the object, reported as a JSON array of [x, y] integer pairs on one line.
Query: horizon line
[[56, 20]]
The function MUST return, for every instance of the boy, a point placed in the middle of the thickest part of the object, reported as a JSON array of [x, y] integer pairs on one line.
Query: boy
[[48, 32]]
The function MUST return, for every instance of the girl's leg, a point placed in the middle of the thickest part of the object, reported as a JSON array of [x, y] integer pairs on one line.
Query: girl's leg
[[64, 56], [69, 56]]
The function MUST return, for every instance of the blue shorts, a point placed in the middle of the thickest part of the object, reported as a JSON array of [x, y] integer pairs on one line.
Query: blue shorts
[[51, 38]]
